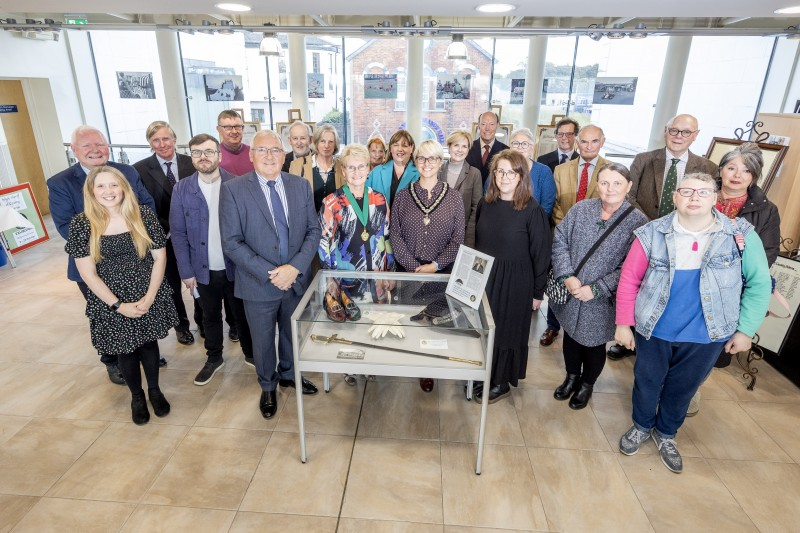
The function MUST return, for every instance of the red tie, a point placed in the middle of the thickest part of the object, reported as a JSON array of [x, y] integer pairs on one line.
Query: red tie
[[584, 183], [486, 149]]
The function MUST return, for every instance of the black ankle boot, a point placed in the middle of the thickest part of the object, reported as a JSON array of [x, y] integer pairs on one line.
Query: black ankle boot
[[139, 413], [159, 403], [569, 385], [581, 397]]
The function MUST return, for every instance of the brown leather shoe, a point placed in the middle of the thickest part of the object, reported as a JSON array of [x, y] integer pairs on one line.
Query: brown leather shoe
[[333, 309], [426, 384], [548, 337]]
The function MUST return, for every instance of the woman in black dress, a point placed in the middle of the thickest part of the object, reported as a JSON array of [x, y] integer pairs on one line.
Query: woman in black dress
[[512, 228], [118, 248]]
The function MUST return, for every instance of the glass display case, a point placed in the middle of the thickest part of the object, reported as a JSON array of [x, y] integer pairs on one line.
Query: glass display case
[[390, 324]]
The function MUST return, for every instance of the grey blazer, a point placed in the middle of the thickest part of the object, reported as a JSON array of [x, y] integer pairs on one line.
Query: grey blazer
[[647, 175], [470, 185], [250, 240]]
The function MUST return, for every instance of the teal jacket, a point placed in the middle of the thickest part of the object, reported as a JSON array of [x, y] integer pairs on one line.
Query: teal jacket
[[380, 179]]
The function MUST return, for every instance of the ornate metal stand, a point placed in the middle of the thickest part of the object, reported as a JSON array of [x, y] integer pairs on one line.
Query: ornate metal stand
[[760, 136], [746, 361]]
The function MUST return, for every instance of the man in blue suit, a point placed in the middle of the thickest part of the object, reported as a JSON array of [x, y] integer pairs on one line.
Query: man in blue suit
[[270, 231], [66, 201], [486, 146]]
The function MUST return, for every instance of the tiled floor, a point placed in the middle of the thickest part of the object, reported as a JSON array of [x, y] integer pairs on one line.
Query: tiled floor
[[383, 456]]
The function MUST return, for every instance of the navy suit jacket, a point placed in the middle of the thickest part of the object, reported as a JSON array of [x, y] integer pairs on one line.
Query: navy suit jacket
[[66, 200], [475, 157], [551, 159], [157, 184], [250, 240]]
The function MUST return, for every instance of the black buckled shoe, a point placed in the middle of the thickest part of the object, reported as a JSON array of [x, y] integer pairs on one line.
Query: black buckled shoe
[[565, 390], [334, 309], [350, 308]]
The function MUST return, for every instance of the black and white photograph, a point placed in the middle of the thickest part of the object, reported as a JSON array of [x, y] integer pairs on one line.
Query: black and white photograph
[[453, 86], [223, 88], [136, 85], [615, 91], [517, 91], [316, 85]]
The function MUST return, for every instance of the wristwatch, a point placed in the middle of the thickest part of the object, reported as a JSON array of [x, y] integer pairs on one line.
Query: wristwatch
[[115, 306]]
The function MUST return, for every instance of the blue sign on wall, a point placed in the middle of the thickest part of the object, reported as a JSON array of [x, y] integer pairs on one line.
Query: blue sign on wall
[[8, 108]]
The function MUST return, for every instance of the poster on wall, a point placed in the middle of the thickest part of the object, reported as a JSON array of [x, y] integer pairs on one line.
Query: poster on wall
[[453, 86], [223, 88], [614, 91], [517, 91], [20, 199], [778, 322], [316, 85], [136, 85], [381, 86]]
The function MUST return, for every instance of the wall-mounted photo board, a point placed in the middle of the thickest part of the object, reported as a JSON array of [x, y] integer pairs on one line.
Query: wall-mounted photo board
[[20, 198]]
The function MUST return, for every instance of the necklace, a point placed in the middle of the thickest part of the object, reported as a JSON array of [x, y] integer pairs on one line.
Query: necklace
[[361, 211], [426, 211]]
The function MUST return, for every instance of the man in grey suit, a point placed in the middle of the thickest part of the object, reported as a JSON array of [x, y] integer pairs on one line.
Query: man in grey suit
[[270, 231], [654, 175]]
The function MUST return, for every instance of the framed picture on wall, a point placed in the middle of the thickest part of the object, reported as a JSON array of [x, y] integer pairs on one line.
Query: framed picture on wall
[[773, 156], [545, 136], [249, 131], [503, 133], [282, 129]]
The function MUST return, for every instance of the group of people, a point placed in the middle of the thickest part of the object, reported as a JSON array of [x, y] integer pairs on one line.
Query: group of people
[[654, 257]]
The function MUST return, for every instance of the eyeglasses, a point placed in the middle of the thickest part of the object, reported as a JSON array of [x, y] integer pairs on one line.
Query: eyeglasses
[[197, 154], [564, 134], [523, 144], [262, 150], [229, 128], [683, 133], [422, 160], [688, 192], [507, 175], [353, 169]]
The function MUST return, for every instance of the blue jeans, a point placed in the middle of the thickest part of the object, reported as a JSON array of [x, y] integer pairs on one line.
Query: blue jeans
[[552, 321], [666, 376]]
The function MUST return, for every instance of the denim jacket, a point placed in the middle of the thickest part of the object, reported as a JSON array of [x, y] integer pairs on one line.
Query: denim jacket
[[721, 274]]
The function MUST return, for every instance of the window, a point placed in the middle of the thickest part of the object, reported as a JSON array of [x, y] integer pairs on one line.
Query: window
[[315, 63], [257, 115]]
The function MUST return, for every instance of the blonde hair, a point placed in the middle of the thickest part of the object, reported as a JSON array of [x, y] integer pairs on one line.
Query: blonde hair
[[457, 135], [99, 216]]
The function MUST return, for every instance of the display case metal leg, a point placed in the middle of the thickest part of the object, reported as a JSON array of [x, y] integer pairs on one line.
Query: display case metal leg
[[326, 382], [482, 432]]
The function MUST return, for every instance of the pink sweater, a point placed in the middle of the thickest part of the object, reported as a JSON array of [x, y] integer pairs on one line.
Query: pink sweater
[[237, 163], [633, 270]]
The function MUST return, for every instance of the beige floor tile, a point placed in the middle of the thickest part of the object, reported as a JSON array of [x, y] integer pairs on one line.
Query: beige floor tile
[[696, 500], [780, 421], [211, 468], [27, 387], [768, 492], [248, 522], [122, 464], [460, 420], [22, 308], [37, 342], [462, 529], [723, 430], [282, 484], [613, 412], [506, 474], [54, 514], [71, 306], [235, 404], [548, 423], [162, 518], [74, 348], [617, 377], [10, 425], [586, 491], [332, 413], [13, 509], [395, 480], [352, 525], [714, 389], [92, 398], [188, 400], [36, 457], [771, 385], [545, 368], [398, 410]]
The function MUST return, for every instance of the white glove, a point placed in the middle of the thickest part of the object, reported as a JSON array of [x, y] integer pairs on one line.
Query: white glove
[[386, 322]]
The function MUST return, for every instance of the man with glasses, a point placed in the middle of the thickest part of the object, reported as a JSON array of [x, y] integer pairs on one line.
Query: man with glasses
[[160, 173], [566, 128], [235, 154], [654, 175], [196, 238], [483, 149], [66, 200], [271, 232], [300, 141]]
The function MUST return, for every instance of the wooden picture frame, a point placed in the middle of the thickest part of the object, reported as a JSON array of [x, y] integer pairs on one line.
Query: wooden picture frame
[[20, 198], [295, 114], [503, 133], [773, 157], [249, 131], [545, 140], [497, 109], [282, 129], [555, 118]]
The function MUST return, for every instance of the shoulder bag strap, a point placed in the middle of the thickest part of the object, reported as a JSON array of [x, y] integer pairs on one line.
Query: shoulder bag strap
[[603, 237]]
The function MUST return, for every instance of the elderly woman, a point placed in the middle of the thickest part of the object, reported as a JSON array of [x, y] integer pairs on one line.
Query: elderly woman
[[427, 223], [118, 248], [399, 171], [588, 249], [320, 167], [542, 182], [463, 178], [693, 282], [377, 152], [515, 230]]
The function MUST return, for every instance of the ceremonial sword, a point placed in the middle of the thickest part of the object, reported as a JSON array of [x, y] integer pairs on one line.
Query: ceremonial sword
[[321, 339]]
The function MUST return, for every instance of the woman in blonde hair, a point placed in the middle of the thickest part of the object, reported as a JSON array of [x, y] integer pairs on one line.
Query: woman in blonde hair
[[118, 248]]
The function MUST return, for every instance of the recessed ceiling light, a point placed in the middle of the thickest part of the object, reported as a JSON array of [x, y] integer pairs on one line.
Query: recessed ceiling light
[[788, 10], [495, 8], [232, 7]]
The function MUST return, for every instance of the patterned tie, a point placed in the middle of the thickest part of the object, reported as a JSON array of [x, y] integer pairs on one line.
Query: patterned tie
[[279, 214], [667, 205], [584, 183], [170, 175], [486, 149], [563, 159]]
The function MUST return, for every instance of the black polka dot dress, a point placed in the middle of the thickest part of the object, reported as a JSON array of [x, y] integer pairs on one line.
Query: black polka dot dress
[[128, 277]]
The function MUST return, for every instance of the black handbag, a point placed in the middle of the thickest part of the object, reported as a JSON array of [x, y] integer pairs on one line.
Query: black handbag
[[555, 290]]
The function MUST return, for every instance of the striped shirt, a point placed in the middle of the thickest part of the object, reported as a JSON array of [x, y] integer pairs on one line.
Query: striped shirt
[[281, 193]]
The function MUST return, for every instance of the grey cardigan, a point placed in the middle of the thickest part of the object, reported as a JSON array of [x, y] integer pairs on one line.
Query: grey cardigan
[[592, 323], [470, 185]]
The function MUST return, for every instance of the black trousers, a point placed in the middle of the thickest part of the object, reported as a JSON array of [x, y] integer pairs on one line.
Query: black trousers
[[586, 361], [146, 354], [105, 358], [219, 288]]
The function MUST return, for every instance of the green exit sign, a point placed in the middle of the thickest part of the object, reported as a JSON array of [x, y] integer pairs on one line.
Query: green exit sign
[[76, 21]]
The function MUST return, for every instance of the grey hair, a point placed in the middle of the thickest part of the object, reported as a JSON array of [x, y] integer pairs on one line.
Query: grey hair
[[299, 123], [85, 129], [602, 135], [523, 131], [266, 133], [619, 168], [354, 151], [671, 121], [751, 156], [700, 176]]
